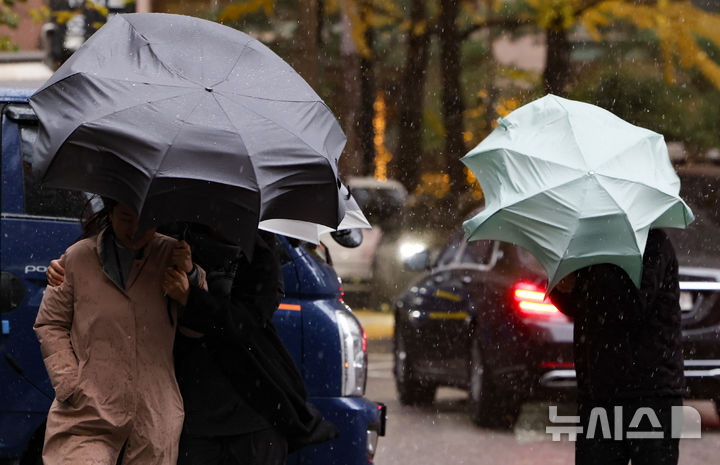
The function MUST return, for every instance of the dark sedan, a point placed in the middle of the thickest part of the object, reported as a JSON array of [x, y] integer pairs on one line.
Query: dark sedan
[[478, 319]]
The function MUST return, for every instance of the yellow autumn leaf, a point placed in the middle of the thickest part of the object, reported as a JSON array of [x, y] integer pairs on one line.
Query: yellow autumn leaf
[[90, 5], [63, 16], [236, 11]]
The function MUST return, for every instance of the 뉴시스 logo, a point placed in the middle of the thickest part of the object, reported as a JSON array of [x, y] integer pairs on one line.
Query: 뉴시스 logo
[[685, 424]]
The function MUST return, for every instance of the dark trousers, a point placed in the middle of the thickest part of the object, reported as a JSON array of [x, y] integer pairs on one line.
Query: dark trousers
[[605, 449], [264, 447]]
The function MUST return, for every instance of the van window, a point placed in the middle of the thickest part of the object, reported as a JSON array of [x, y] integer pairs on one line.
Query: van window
[[40, 200]]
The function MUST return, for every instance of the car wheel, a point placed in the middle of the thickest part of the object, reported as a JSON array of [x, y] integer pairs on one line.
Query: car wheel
[[485, 405], [411, 391]]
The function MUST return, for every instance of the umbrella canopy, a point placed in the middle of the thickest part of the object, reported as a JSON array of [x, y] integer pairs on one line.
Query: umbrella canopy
[[353, 219], [574, 185], [185, 119]]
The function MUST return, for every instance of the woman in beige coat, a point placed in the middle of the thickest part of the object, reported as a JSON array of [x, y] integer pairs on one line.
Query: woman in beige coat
[[106, 336]]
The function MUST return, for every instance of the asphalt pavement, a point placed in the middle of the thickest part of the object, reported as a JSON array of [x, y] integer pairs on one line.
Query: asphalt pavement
[[379, 326]]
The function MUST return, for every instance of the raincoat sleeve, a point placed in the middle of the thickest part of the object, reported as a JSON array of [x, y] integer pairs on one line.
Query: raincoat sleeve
[[52, 327]]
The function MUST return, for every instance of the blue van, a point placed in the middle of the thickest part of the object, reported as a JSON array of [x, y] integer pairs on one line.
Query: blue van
[[324, 337]]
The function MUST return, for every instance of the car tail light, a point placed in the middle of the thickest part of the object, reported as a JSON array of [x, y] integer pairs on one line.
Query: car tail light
[[530, 301], [558, 365]]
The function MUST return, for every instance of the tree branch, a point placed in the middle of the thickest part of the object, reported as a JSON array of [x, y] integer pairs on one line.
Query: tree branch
[[516, 23], [506, 24], [587, 6]]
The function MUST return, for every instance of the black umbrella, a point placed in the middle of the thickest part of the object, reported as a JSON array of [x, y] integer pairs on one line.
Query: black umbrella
[[186, 119]]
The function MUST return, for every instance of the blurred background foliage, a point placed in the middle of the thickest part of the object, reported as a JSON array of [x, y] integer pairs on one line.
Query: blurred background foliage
[[9, 18], [417, 83]]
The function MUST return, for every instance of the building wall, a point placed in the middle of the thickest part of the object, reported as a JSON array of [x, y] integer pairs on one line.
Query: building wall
[[27, 34]]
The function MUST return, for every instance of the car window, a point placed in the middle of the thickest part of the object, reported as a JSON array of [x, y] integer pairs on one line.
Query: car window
[[527, 260], [447, 256], [41, 200], [478, 252]]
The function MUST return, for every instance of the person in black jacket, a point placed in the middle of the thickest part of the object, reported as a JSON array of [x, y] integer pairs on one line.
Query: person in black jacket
[[245, 400], [628, 353]]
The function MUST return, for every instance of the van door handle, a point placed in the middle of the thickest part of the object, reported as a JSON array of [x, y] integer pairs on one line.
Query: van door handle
[[12, 290]]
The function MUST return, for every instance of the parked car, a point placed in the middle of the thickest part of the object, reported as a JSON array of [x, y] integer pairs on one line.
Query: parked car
[[319, 330], [478, 319], [372, 273]]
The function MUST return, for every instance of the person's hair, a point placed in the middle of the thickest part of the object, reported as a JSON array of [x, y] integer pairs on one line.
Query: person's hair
[[93, 220]]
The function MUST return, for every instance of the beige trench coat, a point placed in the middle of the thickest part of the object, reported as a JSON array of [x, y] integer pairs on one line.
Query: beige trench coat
[[108, 352]]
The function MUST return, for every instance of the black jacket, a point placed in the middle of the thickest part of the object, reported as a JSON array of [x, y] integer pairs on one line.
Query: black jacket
[[627, 341], [242, 340]]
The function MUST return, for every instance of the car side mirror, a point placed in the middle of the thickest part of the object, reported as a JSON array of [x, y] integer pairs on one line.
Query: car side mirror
[[418, 262], [349, 238], [12, 291]]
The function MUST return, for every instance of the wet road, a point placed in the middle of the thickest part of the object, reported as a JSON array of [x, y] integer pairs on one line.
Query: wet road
[[443, 433]]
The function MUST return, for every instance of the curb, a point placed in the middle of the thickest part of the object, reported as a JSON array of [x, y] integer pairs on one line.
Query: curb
[[377, 325]]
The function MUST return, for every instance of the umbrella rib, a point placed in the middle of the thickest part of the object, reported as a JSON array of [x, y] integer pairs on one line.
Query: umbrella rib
[[654, 188], [317, 100], [113, 113], [148, 44], [577, 224], [107, 115], [169, 146], [278, 125], [232, 123], [110, 78], [621, 209], [237, 60], [572, 131], [84, 74], [238, 133], [502, 207], [545, 188], [526, 155], [623, 151]]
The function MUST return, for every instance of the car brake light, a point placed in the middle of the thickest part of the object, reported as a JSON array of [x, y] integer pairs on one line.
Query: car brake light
[[558, 365], [531, 301]]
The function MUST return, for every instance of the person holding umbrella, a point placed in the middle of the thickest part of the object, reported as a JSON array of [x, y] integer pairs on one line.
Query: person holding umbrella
[[186, 120], [245, 398], [245, 401], [587, 194], [628, 352], [106, 335]]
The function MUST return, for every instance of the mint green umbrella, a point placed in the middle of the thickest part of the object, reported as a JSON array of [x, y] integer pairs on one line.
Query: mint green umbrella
[[575, 185]]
